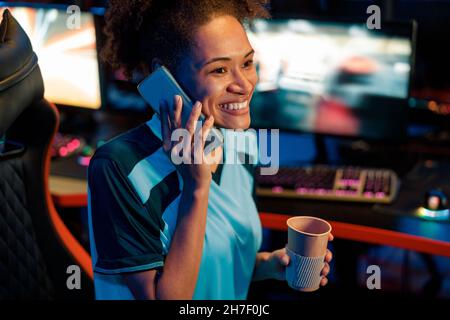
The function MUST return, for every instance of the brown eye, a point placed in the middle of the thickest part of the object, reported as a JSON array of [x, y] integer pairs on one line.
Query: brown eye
[[248, 63], [220, 70]]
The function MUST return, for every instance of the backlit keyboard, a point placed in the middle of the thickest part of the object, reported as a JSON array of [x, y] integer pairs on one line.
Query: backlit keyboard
[[331, 183], [64, 145]]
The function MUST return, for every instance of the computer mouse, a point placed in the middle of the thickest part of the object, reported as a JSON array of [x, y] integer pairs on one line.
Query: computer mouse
[[435, 200]]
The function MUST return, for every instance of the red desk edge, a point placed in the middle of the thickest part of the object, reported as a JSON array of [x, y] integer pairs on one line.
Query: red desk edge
[[70, 201], [372, 235]]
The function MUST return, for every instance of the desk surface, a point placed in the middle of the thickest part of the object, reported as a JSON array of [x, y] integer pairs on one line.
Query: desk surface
[[352, 221], [68, 192]]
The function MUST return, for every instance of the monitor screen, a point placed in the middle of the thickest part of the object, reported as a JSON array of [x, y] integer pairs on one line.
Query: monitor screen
[[331, 77], [67, 57]]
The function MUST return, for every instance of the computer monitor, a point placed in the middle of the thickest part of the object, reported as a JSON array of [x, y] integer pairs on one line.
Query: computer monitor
[[337, 78], [67, 57], [431, 82]]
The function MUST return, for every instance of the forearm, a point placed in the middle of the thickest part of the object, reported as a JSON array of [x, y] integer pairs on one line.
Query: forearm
[[182, 263], [259, 271]]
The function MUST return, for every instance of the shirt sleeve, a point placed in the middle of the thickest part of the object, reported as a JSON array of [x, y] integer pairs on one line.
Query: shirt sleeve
[[126, 233]]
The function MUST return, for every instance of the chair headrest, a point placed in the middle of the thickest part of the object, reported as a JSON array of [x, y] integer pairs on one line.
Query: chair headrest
[[20, 78]]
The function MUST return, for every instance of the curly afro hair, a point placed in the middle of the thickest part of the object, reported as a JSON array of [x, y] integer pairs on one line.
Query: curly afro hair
[[139, 30]]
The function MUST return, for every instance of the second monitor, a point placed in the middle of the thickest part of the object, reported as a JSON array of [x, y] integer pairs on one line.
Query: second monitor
[[335, 78], [67, 54]]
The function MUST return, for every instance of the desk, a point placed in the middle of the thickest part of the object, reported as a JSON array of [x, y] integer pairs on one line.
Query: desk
[[351, 221], [68, 192]]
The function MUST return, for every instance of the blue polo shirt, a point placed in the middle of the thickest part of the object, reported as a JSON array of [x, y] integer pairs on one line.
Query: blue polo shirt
[[134, 193]]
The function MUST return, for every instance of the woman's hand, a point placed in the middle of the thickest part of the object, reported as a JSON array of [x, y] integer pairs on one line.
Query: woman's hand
[[272, 265], [189, 156]]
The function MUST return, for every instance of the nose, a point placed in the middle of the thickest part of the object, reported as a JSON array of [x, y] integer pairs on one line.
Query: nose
[[240, 84]]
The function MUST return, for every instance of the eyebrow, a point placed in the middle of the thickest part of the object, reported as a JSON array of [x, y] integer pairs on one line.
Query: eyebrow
[[225, 58]]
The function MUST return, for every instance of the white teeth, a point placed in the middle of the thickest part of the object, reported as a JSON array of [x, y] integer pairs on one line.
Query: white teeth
[[234, 106]]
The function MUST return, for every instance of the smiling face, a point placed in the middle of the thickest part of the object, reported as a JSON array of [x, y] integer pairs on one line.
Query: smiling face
[[219, 72]]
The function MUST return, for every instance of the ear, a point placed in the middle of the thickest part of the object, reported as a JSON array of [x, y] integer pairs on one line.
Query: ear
[[156, 63]]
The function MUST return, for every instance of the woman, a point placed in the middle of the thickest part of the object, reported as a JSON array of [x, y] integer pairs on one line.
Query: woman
[[160, 231]]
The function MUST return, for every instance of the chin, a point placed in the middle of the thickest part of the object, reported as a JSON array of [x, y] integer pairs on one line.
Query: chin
[[240, 124], [244, 126]]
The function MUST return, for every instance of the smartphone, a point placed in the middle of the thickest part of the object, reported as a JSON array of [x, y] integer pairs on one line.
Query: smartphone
[[160, 85]]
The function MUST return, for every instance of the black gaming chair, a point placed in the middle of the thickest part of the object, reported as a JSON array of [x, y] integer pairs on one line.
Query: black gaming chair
[[36, 248]]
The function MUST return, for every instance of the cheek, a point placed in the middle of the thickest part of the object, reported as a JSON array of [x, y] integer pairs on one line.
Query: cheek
[[253, 78], [210, 97]]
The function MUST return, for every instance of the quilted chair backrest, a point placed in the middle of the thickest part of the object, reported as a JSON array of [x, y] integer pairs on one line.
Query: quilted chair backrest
[[35, 246], [23, 272]]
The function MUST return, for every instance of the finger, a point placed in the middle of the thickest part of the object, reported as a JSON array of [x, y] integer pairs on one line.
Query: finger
[[193, 117], [200, 140], [171, 117], [285, 259], [178, 103], [328, 256], [282, 256], [330, 237], [323, 282], [181, 151], [165, 127], [325, 270], [207, 128]]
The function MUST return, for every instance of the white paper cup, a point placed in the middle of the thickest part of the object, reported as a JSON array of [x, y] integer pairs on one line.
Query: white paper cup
[[307, 247]]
